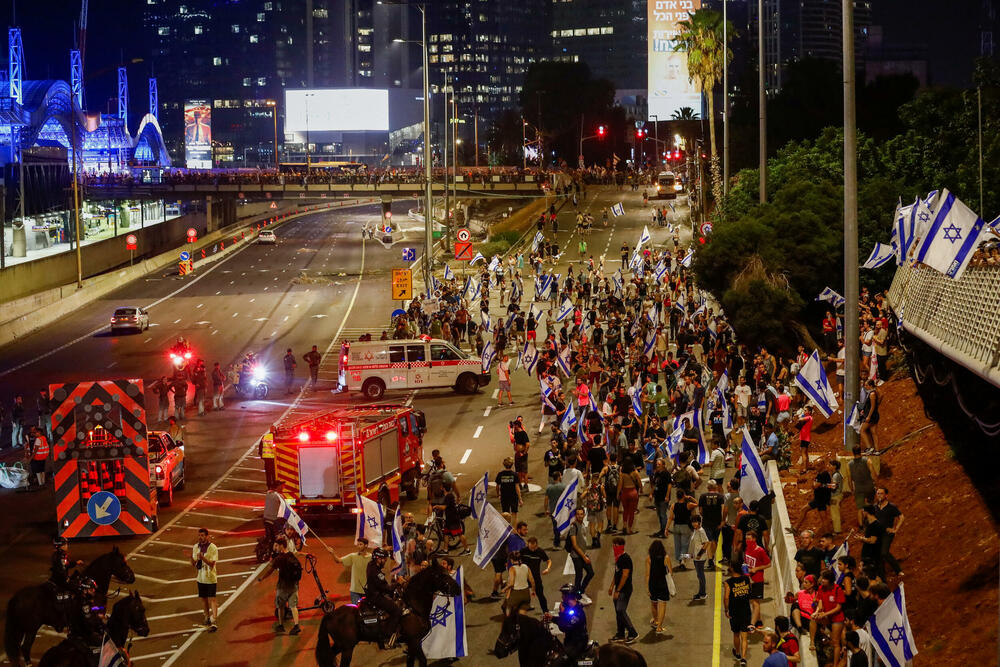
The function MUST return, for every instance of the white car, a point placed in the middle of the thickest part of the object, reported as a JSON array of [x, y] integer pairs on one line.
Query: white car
[[266, 236], [166, 465], [129, 317]]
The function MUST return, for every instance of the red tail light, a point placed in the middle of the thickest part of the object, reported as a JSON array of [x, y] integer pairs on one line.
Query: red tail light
[[303, 437]]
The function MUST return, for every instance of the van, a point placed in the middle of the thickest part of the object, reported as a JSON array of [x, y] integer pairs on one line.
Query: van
[[374, 367]]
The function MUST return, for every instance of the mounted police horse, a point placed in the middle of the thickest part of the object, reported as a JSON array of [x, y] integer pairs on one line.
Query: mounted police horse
[[537, 647], [79, 650], [34, 606], [342, 629]]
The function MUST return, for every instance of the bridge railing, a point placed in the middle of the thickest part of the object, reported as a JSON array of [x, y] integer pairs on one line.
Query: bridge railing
[[959, 318]]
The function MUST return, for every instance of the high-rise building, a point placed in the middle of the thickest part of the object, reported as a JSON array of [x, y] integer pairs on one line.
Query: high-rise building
[[376, 45], [608, 35]]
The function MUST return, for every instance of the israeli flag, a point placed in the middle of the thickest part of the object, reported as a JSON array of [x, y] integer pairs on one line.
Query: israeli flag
[[546, 391], [854, 418], [650, 342], [679, 420], [447, 638], [644, 238], [448, 275], [581, 425], [529, 358], [486, 324], [566, 508], [841, 551], [397, 537], [686, 262], [479, 257], [672, 208], [634, 329], [539, 237], [493, 533], [723, 384], [111, 656], [494, 264], [699, 311], [761, 402], [703, 454], [890, 631], [568, 422], [953, 236], [467, 288], [922, 216], [813, 383], [713, 329], [831, 297], [533, 309], [488, 355], [727, 418], [477, 496], [902, 230], [618, 210], [292, 519], [660, 271], [564, 359], [652, 314], [753, 478], [370, 520], [673, 442], [542, 289], [881, 254], [478, 285], [435, 285], [637, 402], [565, 310]]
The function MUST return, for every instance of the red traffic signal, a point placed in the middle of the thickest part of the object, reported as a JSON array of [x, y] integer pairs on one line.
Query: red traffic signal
[[600, 130], [638, 134]]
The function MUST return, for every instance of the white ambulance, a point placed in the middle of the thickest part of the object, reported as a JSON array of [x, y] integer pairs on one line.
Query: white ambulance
[[374, 367]]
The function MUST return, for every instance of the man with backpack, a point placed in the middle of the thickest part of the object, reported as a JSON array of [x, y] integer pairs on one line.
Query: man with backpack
[[610, 477], [286, 594]]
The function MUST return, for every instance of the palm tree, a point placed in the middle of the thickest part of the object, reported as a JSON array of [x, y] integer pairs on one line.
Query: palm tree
[[700, 38], [685, 113]]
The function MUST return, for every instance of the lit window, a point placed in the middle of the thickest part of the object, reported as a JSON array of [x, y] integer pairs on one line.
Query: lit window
[[246, 82], [319, 13], [198, 29], [262, 81], [182, 10], [260, 17], [254, 39], [608, 30], [364, 47], [216, 61], [163, 31], [593, 31], [235, 28], [579, 32], [565, 33], [268, 6]]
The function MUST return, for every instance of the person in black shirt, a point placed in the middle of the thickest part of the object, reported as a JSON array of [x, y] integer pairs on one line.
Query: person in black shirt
[[736, 600], [750, 521], [809, 556], [711, 503], [661, 495], [553, 459], [822, 492], [535, 558], [621, 592], [509, 489], [755, 422]]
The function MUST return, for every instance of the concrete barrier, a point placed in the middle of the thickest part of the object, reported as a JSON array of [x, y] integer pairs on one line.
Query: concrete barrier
[[39, 310]]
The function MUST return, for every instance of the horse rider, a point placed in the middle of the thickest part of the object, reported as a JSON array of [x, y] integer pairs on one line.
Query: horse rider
[[379, 594], [86, 622], [573, 622], [61, 568]]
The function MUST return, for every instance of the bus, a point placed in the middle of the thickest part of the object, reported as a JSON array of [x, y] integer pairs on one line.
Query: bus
[[667, 185]]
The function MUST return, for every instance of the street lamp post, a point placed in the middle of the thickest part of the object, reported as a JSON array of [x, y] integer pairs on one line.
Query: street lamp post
[[656, 137], [762, 101], [725, 101], [307, 96], [851, 325], [274, 116]]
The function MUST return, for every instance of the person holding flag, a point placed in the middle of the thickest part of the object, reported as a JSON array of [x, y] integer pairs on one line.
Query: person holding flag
[[447, 638]]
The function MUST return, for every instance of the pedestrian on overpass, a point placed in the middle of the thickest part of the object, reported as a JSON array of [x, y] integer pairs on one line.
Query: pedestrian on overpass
[[289, 361], [205, 557], [313, 357]]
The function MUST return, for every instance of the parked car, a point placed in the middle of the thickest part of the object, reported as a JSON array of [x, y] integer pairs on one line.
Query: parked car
[[129, 317], [166, 465]]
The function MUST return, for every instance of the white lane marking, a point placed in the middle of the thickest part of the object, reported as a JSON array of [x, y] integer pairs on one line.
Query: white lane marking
[[218, 293], [496, 392], [148, 339], [165, 616], [161, 654], [112, 364], [214, 331], [199, 305], [465, 457], [479, 429], [252, 300], [178, 597], [163, 558], [177, 320], [228, 517], [486, 412], [246, 582], [273, 334], [236, 313], [242, 479], [285, 318]]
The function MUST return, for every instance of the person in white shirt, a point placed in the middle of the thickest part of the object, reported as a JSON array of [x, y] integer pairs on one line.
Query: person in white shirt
[[503, 373], [742, 393], [697, 547], [205, 556]]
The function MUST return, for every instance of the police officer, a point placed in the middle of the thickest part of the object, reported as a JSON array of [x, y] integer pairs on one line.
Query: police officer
[[378, 592], [86, 620], [61, 567], [266, 453], [573, 622]]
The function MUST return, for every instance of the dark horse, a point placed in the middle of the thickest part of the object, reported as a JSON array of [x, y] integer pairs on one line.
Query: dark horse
[[340, 630], [537, 647], [35, 606], [128, 615]]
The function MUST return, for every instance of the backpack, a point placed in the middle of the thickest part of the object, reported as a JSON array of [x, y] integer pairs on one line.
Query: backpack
[[611, 480], [435, 484], [464, 511], [290, 569], [680, 476]]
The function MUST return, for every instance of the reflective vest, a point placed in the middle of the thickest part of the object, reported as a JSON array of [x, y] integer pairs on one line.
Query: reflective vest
[[267, 446], [41, 448]]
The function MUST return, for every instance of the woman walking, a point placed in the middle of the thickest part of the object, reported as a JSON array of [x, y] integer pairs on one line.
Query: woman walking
[[520, 584], [658, 567], [629, 490]]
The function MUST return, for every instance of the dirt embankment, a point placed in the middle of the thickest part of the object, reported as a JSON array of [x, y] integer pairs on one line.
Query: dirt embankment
[[948, 544]]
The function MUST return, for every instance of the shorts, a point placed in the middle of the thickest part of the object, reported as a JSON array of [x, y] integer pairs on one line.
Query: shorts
[[508, 505], [756, 590], [783, 416], [739, 622], [289, 598], [613, 500], [504, 385], [499, 565], [819, 505], [741, 410], [860, 500], [713, 535], [206, 590], [804, 444], [454, 531], [37, 465]]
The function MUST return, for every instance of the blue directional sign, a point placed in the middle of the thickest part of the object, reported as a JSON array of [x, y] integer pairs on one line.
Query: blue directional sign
[[104, 508], [409, 254], [185, 255]]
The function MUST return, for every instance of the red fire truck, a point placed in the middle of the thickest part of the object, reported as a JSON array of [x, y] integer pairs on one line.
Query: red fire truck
[[326, 460]]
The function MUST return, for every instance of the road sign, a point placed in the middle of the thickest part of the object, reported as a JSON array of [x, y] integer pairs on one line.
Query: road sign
[[409, 254], [706, 228], [192, 232], [131, 242], [274, 205], [463, 235], [185, 255], [104, 508], [402, 284], [464, 251]]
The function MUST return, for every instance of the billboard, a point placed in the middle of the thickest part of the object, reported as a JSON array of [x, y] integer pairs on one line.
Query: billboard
[[669, 88], [337, 110], [198, 134]]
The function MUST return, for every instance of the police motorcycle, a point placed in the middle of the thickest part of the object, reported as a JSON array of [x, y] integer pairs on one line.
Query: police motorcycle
[[180, 353], [252, 378]]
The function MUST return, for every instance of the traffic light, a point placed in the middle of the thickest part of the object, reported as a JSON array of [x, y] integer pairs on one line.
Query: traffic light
[[638, 134], [386, 210], [600, 130]]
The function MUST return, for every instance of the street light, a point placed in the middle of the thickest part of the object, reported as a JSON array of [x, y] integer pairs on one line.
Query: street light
[[274, 115]]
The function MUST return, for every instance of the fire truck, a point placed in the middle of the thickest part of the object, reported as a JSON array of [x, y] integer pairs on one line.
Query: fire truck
[[326, 460]]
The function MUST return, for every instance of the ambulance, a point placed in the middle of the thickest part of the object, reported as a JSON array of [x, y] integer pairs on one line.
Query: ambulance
[[327, 460], [374, 367]]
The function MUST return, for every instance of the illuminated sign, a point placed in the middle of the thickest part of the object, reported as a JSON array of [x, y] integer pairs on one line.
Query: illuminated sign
[[337, 110], [669, 87], [198, 134]]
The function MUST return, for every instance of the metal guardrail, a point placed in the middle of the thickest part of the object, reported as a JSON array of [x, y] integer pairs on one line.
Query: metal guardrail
[[958, 318]]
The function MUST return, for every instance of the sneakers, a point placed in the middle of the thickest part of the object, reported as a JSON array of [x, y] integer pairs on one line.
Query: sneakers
[[391, 642], [207, 621], [466, 552], [213, 627], [631, 638], [585, 600], [699, 597], [295, 630], [278, 627], [617, 638], [495, 595]]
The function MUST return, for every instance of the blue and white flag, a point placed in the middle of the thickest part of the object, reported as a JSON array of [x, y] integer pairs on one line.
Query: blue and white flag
[[565, 508], [447, 638], [581, 425], [673, 209], [618, 210], [565, 310], [644, 238], [831, 296], [111, 656], [890, 631], [568, 422], [477, 496], [841, 551], [762, 401], [854, 418], [952, 237], [699, 424], [487, 323], [543, 286], [477, 289], [881, 254], [637, 401], [723, 383], [679, 420], [673, 442], [493, 533], [650, 342], [660, 271], [814, 384], [564, 359], [753, 477], [370, 520], [535, 242], [652, 314], [479, 257], [467, 288], [448, 275], [546, 391], [529, 357], [494, 264], [435, 284], [488, 356], [397, 537], [292, 519], [902, 230], [686, 262], [699, 311], [727, 418]]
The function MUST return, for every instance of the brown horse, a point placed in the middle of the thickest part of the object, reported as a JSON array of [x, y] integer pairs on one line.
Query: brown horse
[[340, 631], [128, 615]]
